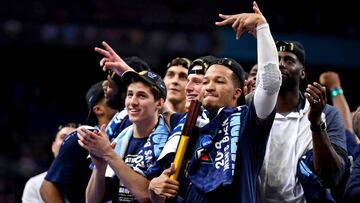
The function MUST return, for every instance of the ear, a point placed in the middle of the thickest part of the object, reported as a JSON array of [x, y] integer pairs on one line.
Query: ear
[[53, 147], [303, 74], [237, 93], [160, 104], [98, 109]]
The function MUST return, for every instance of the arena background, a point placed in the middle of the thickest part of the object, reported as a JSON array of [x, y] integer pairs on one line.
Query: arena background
[[48, 59]]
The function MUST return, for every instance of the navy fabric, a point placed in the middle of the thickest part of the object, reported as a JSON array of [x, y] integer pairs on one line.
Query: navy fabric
[[335, 131], [112, 184], [336, 134], [69, 171], [174, 119], [138, 153], [215, 155], [352, 190], [250, 153], [351, 143], [314, 189], [135, 145], [356, 152]]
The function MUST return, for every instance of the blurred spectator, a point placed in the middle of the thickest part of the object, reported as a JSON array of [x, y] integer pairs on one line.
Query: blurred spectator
[[32, 188]]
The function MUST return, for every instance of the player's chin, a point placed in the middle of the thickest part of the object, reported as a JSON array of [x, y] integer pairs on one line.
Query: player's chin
[[210, 102]]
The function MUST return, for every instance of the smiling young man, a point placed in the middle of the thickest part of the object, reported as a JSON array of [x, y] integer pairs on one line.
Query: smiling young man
[[119, 173], [230, 148]]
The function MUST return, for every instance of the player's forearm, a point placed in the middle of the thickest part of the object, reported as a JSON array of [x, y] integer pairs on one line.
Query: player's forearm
[[327, 163], [268, 76], [133, 181], [95, 189], [49, 193], [340, 103]]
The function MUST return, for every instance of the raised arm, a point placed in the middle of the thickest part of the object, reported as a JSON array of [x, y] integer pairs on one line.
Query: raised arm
[[111, 60], [268, 77], [331, 81]]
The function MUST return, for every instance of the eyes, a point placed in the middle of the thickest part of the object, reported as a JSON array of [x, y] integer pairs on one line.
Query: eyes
[[219, 80], [288, 60], [141, 95], [182, 76]]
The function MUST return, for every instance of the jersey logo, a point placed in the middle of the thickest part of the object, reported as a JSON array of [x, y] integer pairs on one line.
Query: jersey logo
[[203, 156]]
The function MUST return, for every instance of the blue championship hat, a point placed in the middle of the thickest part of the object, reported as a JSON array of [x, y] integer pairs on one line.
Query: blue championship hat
[[148, 77]]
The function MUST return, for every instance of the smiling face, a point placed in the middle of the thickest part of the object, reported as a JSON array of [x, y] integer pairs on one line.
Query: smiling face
[[193, 88], [141, 105], [218, 88]]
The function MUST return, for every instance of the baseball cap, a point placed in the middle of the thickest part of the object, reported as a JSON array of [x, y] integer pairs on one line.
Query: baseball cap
[[204, 62], [148, 77], [234, 66], [135, 63], [93, 96], [294, 47]]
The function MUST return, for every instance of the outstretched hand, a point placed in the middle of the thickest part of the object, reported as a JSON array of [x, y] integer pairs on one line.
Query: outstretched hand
[[111, 60], [243, 22]]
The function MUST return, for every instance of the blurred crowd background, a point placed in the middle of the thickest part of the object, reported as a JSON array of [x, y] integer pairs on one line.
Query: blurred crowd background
[[48, 60]]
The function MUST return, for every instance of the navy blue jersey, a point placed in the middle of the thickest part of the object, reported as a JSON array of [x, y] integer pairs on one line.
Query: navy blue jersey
[[174, 119], [70, 170], [315, 187], [335, 131], [251, 145], [116, 191], [352, 190]]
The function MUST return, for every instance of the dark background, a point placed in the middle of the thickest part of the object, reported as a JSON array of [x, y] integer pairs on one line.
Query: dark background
[[48, 60]]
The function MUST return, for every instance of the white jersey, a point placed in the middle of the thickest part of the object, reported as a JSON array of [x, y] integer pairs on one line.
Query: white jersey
[[32, 189]]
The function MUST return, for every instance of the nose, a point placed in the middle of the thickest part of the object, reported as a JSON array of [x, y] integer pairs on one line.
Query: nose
[[175, 79], [134, 101], [189, 87], [281, 62], [210, 86]]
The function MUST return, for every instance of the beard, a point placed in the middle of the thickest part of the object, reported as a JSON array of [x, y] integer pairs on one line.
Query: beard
[[289, 83], [116, 101]]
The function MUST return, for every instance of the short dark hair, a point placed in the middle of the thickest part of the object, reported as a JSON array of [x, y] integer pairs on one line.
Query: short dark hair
[[179, 61], [154, 90]]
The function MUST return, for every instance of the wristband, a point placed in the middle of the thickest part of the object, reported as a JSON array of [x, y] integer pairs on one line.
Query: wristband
[[336, 91]]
